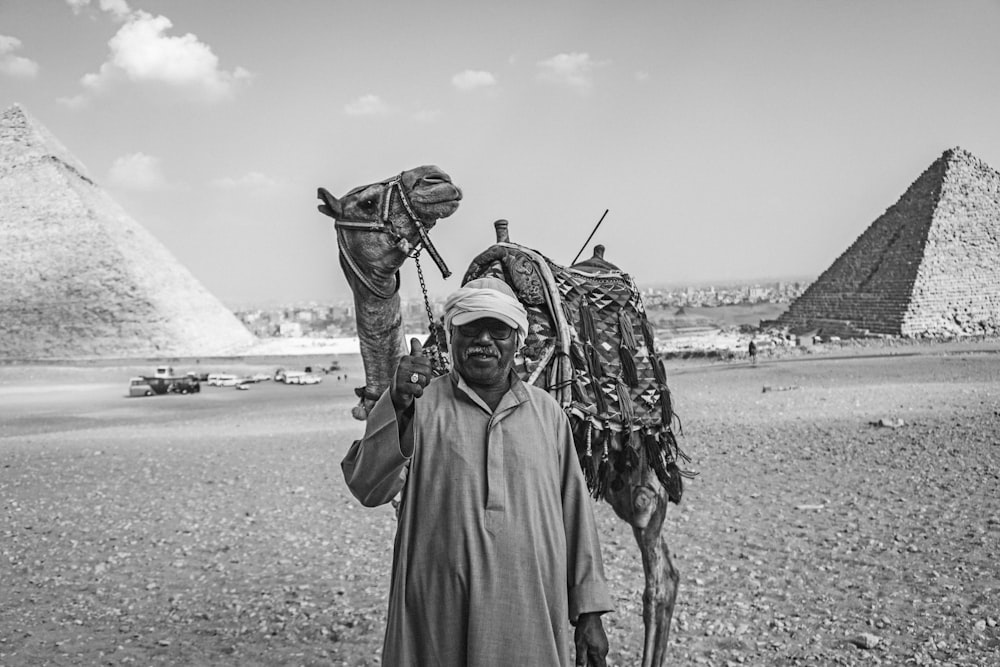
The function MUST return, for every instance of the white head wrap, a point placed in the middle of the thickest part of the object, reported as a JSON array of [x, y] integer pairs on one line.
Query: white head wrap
[[485, 297]]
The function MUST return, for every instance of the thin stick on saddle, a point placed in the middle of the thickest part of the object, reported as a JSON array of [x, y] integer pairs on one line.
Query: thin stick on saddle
[[589, 237]]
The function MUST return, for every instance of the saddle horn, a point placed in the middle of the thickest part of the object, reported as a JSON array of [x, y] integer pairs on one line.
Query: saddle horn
[[503, 235]]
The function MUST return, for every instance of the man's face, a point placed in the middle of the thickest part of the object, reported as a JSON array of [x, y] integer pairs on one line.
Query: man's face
[[482, 359]]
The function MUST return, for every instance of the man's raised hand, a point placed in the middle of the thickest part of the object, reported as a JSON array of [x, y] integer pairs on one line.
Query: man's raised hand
[[412, 374]]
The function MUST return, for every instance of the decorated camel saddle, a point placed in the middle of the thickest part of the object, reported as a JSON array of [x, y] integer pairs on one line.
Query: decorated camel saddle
[[590, 346]]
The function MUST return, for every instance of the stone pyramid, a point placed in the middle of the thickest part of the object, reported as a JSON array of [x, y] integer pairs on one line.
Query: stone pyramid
[[79, 278], [928, 266]]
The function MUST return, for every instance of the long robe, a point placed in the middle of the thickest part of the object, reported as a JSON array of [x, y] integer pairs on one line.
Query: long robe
[[496, 551]]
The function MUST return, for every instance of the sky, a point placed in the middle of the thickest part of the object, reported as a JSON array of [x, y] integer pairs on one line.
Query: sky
[[728, 140]]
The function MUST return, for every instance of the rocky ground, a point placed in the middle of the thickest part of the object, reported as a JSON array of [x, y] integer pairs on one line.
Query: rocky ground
[[847, 512]]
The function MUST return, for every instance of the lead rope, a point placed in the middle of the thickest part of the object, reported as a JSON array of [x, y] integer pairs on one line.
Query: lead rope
[[440, 364]]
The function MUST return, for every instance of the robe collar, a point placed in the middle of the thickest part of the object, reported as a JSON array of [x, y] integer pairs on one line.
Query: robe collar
[[515, 396]]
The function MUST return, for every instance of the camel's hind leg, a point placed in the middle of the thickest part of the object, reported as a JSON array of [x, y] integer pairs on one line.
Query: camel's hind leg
[[661, 587], [644, 507]]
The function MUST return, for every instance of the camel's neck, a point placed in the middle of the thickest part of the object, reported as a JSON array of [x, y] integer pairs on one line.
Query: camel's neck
[[380, 333], [380, 278]]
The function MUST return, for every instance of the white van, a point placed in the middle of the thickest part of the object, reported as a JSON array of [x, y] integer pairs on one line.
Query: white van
[[222, 380]]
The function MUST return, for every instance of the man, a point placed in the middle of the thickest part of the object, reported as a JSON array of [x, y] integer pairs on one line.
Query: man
[[496, 552]]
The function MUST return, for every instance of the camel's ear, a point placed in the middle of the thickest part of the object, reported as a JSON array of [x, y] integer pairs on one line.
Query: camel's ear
[[330, 206]]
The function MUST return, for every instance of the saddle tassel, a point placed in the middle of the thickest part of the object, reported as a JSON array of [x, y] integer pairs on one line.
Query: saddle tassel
[[596, 366], [627, 331], [587, 462], [629, 372], [647, 334], [666, 472], [599, 399], [667, 414], [627, 348], [587, 329], [625, 405], [603, 470]]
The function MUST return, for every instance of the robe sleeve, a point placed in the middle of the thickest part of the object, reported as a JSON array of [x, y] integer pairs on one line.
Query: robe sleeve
[[375, 466], [586, 585]]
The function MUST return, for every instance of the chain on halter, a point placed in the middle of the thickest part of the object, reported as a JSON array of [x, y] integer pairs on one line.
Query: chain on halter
[[439, 361]]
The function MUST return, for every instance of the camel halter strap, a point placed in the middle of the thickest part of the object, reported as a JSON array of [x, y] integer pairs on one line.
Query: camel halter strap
[[384, 226]]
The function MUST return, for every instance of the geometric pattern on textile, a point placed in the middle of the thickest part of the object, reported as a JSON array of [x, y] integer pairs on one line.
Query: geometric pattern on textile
[[590, 345]]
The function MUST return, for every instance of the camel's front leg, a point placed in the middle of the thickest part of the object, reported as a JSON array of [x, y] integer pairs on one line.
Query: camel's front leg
[[661, 584]]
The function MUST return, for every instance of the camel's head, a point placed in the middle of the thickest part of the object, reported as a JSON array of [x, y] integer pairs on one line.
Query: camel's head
[[379, 224]]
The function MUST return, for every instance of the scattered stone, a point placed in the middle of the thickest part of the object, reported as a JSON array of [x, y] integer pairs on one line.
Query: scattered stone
[[888, 423], [866, 640]]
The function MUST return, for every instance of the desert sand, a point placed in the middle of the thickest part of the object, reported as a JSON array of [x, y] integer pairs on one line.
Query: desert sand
[[215, 528]]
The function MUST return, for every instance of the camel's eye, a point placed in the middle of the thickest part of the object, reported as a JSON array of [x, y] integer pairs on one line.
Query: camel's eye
[[368, 205]]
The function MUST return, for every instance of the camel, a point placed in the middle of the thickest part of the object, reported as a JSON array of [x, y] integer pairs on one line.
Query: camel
[[378, 226], [641, 489]]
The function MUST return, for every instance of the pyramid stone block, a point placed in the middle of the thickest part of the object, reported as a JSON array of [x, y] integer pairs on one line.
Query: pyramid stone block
[[79, 278], [928, 266]]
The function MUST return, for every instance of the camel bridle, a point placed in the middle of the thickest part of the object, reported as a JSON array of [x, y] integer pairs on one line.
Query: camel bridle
[[383, 225]]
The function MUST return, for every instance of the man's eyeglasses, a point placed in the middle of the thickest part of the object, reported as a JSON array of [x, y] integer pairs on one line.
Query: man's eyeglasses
[[497, 330]]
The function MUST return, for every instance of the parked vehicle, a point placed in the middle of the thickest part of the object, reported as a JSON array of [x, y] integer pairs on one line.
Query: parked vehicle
[[222, 380], [186, 385], [297, 377], [164, 382], [138, 386]]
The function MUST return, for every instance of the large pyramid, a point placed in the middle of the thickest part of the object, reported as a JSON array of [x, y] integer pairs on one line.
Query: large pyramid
[[78, 277], [928, 266]]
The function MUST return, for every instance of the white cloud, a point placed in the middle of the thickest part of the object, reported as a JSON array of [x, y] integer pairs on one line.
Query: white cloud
[[253, 181], [471, 79], [367, 105], [574, 70], [117, 7], [138, 171], [74, 102], [142, 52], [14, 65], [642, 76]]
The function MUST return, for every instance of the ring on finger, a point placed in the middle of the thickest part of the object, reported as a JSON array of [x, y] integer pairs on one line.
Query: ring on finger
[[415, 378]]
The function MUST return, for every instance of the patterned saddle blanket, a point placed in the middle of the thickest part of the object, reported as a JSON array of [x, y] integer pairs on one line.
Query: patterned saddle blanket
[[590, 346]]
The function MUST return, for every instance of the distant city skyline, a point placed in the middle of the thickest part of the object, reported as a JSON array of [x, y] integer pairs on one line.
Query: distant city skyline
[[729, 141]]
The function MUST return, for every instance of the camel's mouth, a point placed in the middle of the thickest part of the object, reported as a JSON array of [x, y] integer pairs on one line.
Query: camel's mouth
[[434, 195], [441, 209]]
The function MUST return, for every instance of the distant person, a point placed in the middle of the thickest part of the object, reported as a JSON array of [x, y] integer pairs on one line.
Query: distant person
[[753, 353]]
